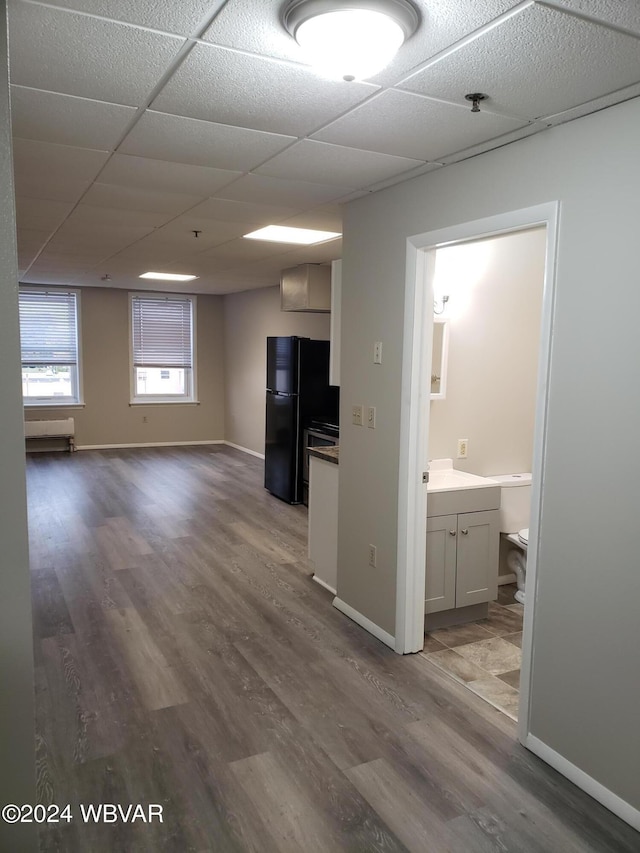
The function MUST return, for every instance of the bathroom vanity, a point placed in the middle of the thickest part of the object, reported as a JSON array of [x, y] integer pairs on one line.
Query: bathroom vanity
[[463, 537]]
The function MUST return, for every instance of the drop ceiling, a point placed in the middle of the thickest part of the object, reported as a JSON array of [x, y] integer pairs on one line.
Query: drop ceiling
[[154, 134]]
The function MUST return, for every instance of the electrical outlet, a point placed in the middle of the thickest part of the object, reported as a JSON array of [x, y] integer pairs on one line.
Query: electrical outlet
[[373, 556], [463, 448], [371, 417], [356, 415], [377, 352]]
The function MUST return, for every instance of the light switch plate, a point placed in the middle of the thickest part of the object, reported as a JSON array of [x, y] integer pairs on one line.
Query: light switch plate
[[356, 415], [371, 417]]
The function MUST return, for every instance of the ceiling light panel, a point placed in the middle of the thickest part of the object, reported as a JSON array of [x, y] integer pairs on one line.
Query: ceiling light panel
[[287, 234], [167, 276]]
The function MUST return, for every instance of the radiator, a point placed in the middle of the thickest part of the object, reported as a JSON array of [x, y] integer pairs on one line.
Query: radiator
[[62, 428]]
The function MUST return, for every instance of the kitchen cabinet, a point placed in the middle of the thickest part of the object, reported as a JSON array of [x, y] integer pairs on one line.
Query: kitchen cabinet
[[462, 560], [336, 299]]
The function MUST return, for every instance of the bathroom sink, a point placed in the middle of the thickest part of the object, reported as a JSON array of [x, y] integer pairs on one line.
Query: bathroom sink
[[452, 491]]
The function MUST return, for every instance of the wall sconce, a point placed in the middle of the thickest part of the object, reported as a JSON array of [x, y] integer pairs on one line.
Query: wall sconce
[[440, 304], [350, 39]]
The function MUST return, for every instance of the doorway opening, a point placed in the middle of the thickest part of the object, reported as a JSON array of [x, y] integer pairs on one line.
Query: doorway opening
[[424, 289]]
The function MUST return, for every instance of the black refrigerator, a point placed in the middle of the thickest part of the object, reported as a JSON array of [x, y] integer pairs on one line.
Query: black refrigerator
[[298, 391]]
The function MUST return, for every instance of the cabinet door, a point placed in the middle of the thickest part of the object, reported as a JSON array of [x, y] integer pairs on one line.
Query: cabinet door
[[440, 581], [477, 563]]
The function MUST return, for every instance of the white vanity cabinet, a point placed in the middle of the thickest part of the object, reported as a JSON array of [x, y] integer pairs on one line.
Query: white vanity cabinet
[[462, 560], [463, 541]]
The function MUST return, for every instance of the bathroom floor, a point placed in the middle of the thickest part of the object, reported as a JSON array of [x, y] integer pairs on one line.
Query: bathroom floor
[[485, 656]]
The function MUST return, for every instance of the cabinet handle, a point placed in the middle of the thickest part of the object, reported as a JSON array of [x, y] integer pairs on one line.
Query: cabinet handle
[[452, 533], [465, 531]]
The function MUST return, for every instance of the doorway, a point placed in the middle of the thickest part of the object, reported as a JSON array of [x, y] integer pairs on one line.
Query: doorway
[[415, 426]]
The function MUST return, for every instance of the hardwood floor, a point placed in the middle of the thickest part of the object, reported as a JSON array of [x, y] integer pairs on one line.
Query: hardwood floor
[[185, 658]]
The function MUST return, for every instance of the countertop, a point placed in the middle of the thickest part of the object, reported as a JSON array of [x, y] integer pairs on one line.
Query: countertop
[[329, 454]]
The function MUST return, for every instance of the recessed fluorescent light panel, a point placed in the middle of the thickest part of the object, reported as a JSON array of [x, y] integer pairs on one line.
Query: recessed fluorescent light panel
[[167, 276], [284, 234]]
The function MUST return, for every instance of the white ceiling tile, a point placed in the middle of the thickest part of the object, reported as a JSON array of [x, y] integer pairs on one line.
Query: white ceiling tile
[[412, 126], [265, 190], [49, 186], [30, 241], [168, 16], [220, 85], [86, 56], [498, 142], [442, 23], [134, 198], [68, 120], [535, 63], [335, 164], [242, 211], [87, 218], [163, 176], [319, 254], [242, 251], [595, 105], [180, 234], [43, 159], [625, 14], [326, 217], [202, 143], [41, 214]]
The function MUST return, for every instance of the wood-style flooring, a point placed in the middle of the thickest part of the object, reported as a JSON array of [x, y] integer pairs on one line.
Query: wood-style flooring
[[184, 657]]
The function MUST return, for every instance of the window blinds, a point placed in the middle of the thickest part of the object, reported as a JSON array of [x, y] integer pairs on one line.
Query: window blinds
[[48, 328], [161, 331]]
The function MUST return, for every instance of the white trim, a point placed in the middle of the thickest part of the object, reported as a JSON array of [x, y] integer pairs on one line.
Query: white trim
[[149, 444], [415, 416], [244, 449], [324, 584], [624, 810], [365, 623]]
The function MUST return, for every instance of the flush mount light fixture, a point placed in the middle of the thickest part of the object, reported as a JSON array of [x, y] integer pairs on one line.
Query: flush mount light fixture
[[167, 276], [285, 234], [350, 39]]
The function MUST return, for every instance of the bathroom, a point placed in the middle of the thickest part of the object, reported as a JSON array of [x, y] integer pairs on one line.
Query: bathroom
[[486, 409]]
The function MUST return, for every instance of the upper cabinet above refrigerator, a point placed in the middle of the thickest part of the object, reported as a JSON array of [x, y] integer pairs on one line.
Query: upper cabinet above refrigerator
[[336, 299]]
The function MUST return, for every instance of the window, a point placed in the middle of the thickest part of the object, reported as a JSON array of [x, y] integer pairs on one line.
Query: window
[[162, 346], [49, 346]]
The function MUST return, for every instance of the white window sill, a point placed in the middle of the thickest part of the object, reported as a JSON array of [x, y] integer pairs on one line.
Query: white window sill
[[164, 403], [46, 405]]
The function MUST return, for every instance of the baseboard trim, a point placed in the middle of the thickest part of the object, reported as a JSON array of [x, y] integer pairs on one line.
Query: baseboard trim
[[323, 583], [504, 579], [147, 444], [365, 623], [625, 811], [244, 449]]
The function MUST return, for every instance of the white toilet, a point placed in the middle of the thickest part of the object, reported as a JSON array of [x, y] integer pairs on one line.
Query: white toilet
[[515, 509]]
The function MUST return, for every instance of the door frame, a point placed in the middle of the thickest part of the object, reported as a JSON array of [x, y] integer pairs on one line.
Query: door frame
[[414, 420]]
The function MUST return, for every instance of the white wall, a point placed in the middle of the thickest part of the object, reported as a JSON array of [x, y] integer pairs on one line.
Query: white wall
[[17, 757], [585, 686], [249, 318], [495, 301]]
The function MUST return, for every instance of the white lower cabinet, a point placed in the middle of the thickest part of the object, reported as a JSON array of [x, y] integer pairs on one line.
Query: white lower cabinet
[[323, 521], [462, 560]]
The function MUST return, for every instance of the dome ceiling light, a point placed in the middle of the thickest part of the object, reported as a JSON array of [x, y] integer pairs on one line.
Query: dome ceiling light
[[350, 39]]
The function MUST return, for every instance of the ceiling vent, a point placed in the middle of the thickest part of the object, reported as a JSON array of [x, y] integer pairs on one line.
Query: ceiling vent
[[306, 287]]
